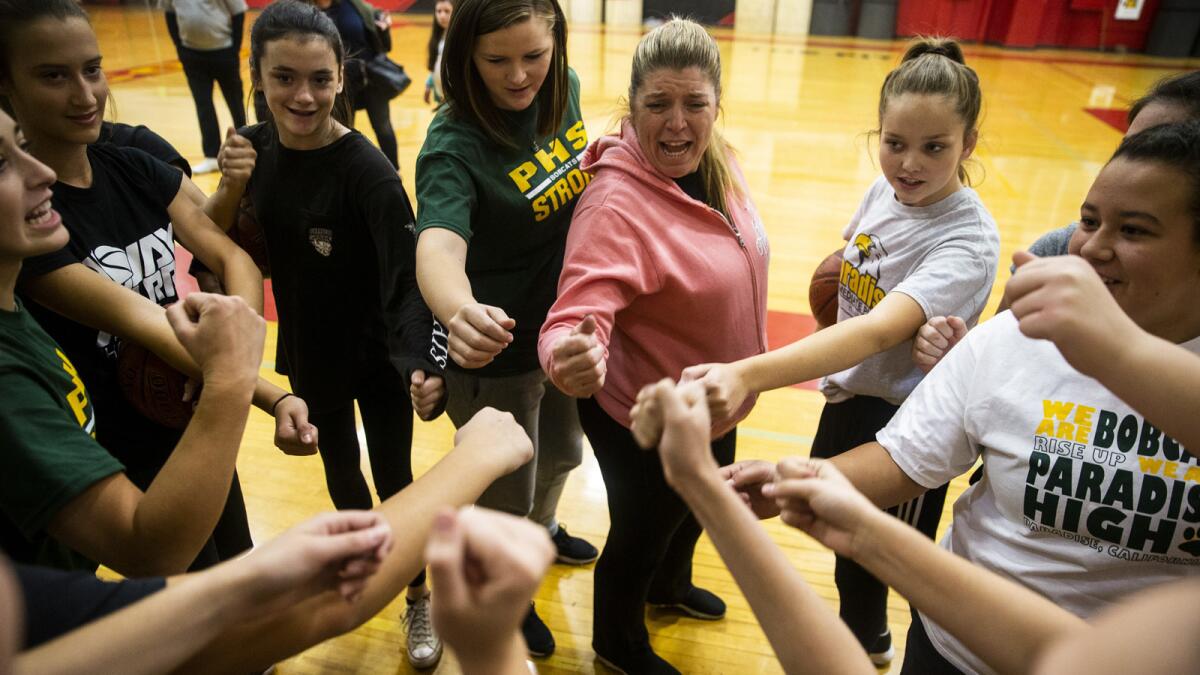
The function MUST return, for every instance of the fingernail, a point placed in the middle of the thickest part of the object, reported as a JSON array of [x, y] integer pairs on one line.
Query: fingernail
[[768, 489], [443, 521]]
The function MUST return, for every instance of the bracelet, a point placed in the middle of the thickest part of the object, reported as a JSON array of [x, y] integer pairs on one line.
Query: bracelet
[[278, 401]]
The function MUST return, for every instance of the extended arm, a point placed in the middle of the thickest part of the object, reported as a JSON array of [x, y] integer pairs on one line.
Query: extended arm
[[199, 234], [161, 531]]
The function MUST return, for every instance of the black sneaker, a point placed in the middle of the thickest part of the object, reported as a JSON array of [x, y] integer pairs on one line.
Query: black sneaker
[[698, 604], [572, 550], [538, 638], [643, 662], [881, 652]]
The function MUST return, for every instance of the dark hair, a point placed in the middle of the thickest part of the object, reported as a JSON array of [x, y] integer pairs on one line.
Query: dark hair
[[1179, 90], [435, 38], [936, 66], [466, 95], [1173, 145], [16, 14], [293, 18]]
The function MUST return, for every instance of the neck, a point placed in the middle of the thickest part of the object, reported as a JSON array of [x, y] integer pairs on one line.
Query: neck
[[8, 284], [69, 160], [333, 131]]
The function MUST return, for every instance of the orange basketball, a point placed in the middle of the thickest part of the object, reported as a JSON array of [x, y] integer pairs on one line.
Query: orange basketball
[[247, 233], [152, 387], [823, 290]]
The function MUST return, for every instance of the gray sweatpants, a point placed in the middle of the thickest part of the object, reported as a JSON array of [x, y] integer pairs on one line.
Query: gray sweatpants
[[552, 422]]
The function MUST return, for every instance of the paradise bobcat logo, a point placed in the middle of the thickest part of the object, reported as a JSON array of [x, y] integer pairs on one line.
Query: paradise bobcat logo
[[859, 282]]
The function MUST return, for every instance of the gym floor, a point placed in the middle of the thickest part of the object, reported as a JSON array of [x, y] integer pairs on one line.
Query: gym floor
[[798, 111]]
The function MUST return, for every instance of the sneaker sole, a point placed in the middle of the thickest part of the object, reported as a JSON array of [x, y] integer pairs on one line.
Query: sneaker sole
[[564, 560], [610, 665], [684, 609]]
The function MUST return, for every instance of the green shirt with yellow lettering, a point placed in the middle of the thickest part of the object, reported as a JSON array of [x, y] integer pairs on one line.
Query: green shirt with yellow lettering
[[48, 455], [513, 206]]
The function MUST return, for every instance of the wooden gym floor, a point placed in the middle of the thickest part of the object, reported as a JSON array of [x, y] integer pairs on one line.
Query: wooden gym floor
[[798, 112]]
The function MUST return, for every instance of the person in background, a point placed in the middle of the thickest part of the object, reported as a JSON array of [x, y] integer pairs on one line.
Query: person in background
[[208, 38]]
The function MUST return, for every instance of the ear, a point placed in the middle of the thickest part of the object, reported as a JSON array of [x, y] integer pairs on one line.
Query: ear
[[969, 142], [341, 78]]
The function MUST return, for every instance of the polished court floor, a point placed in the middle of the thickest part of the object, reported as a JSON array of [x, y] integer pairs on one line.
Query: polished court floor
[[798, 111]]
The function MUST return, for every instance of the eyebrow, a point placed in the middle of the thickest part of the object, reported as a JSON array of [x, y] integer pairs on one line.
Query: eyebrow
[[1126, 214], [289, 69], [95, 60]]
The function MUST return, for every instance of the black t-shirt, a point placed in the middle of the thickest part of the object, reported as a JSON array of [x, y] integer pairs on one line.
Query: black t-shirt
[[119, 228], [339, 233], [142, 138], [58, 602]]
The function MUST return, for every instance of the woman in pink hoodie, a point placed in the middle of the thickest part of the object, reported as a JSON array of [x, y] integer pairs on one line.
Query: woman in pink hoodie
[[666, 265]]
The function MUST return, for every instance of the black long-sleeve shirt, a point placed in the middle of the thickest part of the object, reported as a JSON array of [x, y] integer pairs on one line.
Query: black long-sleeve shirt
[[339, 233]]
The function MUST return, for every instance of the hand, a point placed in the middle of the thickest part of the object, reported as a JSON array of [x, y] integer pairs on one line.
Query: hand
[[426, 391], [1062, 299], [294, 434], [478, 333], [498, 437], [223, 335], [577, 365], [331, 552], [748, 478], [724, 385], [486, 567], [646, 421], [935, 338], [815, 497], [428, 94], [684, 448], [383, 21], [236, 158]]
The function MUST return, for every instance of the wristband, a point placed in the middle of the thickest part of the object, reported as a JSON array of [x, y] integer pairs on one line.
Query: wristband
[[278, 401]]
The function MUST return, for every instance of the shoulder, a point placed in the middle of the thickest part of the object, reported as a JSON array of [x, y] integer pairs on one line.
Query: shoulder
[[448, 134], [257, 133]]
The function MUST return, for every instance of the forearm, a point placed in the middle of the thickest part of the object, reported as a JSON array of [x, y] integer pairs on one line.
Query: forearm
[[804, 632], [241, 277], [458, 479], [443, 280], [178, 512], [1170, 403], [507, 659], [834, 349], [875, 474], [1002, 622], [154, 635], [222, 205]]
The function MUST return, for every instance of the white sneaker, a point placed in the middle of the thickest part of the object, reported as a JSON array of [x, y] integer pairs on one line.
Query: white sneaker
[[424, 646], [209, 165]]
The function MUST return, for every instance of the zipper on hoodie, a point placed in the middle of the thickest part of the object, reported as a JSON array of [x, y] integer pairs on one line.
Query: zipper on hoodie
[[750, 268]]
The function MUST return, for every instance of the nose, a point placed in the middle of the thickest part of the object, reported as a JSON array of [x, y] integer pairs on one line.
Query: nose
[[1097, 245], [37, 175], [304, 94], [515, 75], [910, 163], [82, 95], [676, 120]]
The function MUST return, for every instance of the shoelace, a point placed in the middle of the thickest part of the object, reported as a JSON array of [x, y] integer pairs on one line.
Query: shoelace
[[418, 622]]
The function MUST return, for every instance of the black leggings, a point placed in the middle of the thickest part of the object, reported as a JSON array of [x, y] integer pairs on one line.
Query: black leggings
[[845, 426], [388, 422], [648, 555], [378, 112]]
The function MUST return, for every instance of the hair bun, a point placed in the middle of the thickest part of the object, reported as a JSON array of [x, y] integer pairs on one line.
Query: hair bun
[[946, 47]]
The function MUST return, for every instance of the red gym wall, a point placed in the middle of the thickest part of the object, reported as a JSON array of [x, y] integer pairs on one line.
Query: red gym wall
[[1085, 24]]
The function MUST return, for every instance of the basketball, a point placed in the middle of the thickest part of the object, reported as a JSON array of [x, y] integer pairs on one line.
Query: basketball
[[153, 387], [823, 290], [247, 233]]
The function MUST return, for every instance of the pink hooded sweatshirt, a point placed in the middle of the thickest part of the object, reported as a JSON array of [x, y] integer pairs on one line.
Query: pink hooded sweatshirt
[[670, 282]]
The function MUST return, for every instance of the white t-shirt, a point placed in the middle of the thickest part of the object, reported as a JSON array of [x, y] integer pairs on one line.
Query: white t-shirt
[[204, 25], [943, 255], [1081, 499]]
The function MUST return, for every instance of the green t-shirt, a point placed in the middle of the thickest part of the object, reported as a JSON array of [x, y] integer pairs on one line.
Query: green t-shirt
[[48, 456], [513, 207]]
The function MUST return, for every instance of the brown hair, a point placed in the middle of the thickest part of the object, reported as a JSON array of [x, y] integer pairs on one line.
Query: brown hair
[[935, 66], [678, 44], [466, 95]]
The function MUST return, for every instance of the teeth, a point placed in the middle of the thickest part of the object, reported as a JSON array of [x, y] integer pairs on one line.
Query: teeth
[[674, 149], [39, 215]]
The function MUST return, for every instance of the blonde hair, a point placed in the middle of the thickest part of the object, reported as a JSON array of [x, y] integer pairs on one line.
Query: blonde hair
[[935, 66], [676, 45]]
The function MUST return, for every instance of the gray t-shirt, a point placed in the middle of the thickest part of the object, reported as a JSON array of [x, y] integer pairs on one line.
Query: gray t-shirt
[[1053, 243], [204, 25], [944, 256]]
